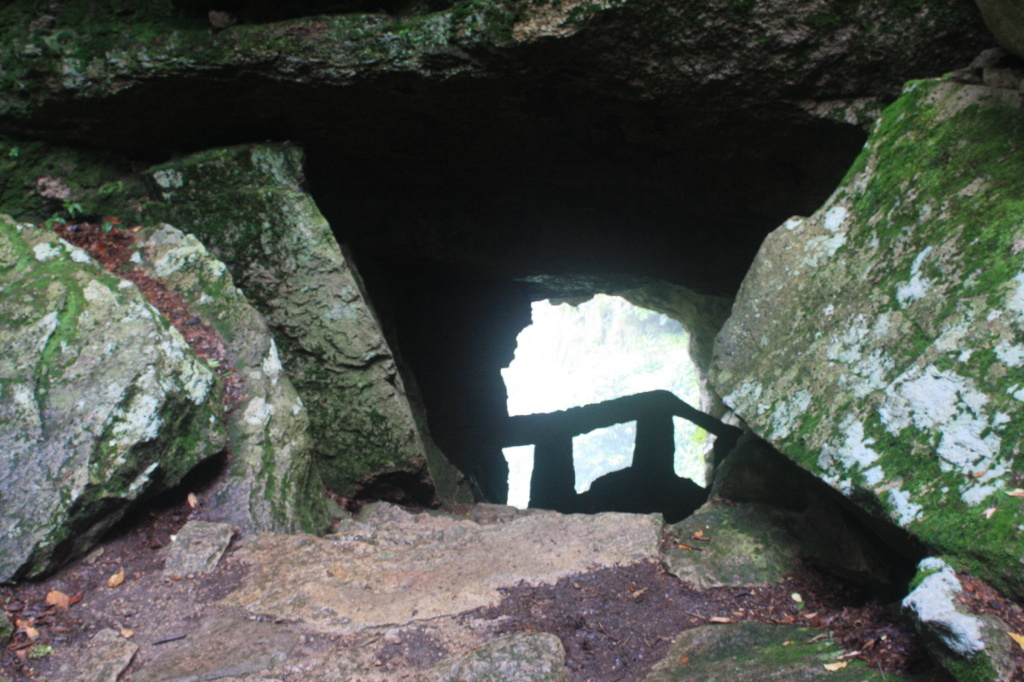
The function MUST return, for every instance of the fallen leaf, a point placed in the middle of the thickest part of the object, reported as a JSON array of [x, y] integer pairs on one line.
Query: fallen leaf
[[979, 474], [687, 547], [58, 599], [30, 632], [787, 643], [1019, 639], [682, 660], [811, 615], [116, 579], [838, 665], [638, 593], [796, 597], [126, 633], [719, 619], [1016, 492], [193, 501], [75, 598], [989, 512]]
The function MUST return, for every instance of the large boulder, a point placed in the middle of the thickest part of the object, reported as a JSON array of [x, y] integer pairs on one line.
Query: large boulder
[[880, 342], [101, 401], [247, 205], [272, 482]]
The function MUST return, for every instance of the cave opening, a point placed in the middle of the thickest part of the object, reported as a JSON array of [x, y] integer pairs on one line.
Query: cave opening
[[588, 350]]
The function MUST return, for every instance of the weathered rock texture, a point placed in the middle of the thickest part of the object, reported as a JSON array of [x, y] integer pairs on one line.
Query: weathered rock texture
[[756, 652], [971, 646], [101, 401], [272, 481], [247, 204], [880, 343], [397, 568]]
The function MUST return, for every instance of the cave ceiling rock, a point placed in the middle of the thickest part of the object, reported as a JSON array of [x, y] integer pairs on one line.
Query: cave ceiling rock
[[246, 204], [101, 402], [271, 483], [879, 343], [674, 135]]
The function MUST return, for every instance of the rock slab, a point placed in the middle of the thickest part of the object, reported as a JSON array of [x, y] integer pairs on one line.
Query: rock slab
[[880, 342], [417, 567]]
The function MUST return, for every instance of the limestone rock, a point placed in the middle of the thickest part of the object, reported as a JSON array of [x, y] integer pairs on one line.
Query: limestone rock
[[747, 544], [272, 483], [109, 656], [880, 343], [101, 401], [534, 657], [400, 567], [197, 548], [246, 204], [756, 652], [968, 645], [226, 645]]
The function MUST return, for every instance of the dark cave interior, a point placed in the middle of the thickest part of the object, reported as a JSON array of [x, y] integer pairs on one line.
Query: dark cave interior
[[464, 200]]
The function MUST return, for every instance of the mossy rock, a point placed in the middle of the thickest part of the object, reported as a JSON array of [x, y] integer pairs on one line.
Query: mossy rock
[[742, 544], [880, 343], [101, 401], [246, 204], [757, 652]]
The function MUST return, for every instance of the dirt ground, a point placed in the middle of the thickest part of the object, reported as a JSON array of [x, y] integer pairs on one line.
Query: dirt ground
[[614, 623]]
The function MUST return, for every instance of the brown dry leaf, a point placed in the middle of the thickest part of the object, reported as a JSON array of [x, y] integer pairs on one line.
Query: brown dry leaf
[[193, 501], [638, 593], [116, 579], [30, 632], [58, 599], [126, 633], [682, 660], [1016, 492], [719, 619], [1019, 639], [838, 665], [811, 615], [75, 598], [989, 512], [979, 474]]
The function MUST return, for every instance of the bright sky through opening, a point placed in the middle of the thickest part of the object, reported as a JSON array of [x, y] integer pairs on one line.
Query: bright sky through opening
[[602, 349]]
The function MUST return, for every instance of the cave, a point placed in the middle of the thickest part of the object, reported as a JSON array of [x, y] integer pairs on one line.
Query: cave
[[476, 180]]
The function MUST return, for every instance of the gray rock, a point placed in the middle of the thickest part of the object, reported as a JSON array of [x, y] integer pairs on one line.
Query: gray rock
[[969, 646], [757, 652], [747, 544], [109, 655], [246, 204], [272, 482], [101, 401], [225, 645], [535, 657], [879, 343], [197, 548]]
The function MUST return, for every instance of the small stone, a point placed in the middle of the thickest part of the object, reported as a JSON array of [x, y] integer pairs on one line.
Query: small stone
[[197, 550]]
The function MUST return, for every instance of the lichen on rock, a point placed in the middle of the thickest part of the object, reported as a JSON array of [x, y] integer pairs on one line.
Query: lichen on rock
[[878, 343], [101, 401], [246, 204]]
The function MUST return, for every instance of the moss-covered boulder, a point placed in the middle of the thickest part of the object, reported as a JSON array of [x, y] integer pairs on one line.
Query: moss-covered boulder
[[101, 401], [880, 343], [758, 652], [247, 205], [272, 482]]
